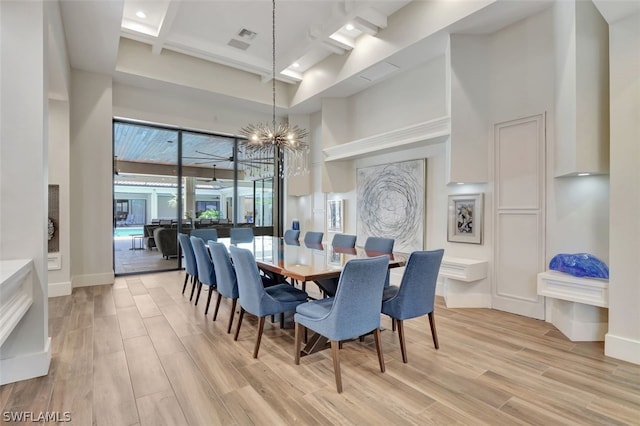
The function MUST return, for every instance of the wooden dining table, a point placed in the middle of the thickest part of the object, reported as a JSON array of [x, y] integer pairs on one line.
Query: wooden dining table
[[306, 262]]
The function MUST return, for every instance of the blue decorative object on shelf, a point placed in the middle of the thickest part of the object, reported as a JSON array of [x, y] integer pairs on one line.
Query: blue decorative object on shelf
[[580, 265]]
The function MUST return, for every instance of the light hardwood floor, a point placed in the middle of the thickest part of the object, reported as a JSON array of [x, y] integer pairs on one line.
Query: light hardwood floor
[[139, 352]]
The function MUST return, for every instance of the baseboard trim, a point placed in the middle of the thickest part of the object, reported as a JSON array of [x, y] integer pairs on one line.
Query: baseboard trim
[[60, 289], [88, 280], [622, 348], [26, 367]]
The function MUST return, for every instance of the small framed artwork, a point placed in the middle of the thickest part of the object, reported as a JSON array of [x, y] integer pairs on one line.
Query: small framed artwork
[[334, 216], [465, 218]]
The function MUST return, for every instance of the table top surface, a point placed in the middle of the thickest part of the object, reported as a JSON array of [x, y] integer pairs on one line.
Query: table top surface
[[306, 262]]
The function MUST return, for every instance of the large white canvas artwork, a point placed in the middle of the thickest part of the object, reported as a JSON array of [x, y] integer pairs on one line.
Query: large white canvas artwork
[[391, 201]]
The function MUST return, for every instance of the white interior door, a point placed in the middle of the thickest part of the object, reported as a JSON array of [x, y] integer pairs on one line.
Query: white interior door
[[519, 148]]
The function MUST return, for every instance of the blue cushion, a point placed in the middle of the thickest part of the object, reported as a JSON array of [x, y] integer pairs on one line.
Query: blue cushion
[[389, 292], [316, 308], [286, 293]]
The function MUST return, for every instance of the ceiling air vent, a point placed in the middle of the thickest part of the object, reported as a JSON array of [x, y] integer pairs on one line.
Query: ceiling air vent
[[238, 44], [378, 71], [247, 34]]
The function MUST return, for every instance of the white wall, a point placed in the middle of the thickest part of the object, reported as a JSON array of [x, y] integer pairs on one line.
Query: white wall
[[60, 280], [623, 339], [91, 179], [26, 353]]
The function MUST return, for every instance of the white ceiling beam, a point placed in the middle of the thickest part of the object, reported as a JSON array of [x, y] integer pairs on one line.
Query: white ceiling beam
[[341, 41], [165, 26], [372, 16], [329, 45], [365, 26]]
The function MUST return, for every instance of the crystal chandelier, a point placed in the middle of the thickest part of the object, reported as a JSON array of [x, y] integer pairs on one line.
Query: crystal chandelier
[[265, 141]]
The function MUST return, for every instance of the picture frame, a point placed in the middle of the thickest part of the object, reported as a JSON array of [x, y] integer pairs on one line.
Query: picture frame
[[465, 218], [335, 216]]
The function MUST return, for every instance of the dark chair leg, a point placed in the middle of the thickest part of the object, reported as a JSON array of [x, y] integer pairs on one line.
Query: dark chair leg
[[393, 324], [403, 346], [434, 334], [281, 320], [194, 282], [335, 353], [239, 323], [298, 344], [233, 311], [199, 291], [376, 335], [215, 311], [258, 337], [206, 310], [186, 278]]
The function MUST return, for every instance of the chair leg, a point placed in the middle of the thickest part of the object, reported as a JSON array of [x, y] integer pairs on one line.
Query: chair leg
[[403, 346], [199, 291], [393, 324], [215, 311], [298, 341], [304, 286], [335, 353], [376, 335], [186, 278], [194, 282], [281, 320], [206, 310], [233, 311], [239, 323], [434, 334], [258, 337]]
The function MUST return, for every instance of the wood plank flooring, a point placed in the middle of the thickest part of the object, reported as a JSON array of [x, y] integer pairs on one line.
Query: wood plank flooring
[[139, 353]]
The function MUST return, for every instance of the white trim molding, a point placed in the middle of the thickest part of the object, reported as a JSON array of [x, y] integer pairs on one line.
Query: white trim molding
[[432, 131], [54, 261], [27, 366], [588, 291], [622, 348], [60, 289], [88, 280], [16, 293]]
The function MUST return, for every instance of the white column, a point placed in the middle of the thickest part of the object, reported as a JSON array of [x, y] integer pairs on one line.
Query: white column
[[26, 352]]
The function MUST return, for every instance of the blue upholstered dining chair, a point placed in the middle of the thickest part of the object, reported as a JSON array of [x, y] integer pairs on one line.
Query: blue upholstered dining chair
[[226, 283], [190, 266], [343, 240], [206, 275], [379, 244], [291, 235], [416, 294], [339, 241], [353, 312], [241, 235], [313, 237], [205, 234], [258, 300]]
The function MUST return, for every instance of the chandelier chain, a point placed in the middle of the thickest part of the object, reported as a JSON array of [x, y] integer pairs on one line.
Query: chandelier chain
[[273, 59]]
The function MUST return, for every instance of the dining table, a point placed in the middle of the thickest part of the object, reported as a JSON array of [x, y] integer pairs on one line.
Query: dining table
[[304, 262]]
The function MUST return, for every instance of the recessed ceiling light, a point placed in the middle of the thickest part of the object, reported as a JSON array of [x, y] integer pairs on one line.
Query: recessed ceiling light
[[295, 65], [584, 174], [350, 27], [140, 14], [459, 183]]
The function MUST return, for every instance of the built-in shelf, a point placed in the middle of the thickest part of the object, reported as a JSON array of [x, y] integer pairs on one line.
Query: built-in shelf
[[467, 270], [588, 291], [16, 294], [432, 131]]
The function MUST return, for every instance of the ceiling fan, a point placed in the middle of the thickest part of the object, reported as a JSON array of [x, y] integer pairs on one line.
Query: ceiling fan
[[218, 184]]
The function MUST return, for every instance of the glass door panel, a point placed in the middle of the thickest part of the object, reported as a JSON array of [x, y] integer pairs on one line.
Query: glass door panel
[[146, 182]]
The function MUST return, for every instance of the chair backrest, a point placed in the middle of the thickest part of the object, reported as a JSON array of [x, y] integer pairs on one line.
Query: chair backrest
[[343, 240], [379, 244], [205, 234], [250, 288], [313, 237], [206, 274], [190, 264], [241, 235], [226, 282], [356, 307], [291, 235], [418, 286]]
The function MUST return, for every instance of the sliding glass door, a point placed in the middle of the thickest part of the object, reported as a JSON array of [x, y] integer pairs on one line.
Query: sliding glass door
[[168, 181]]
